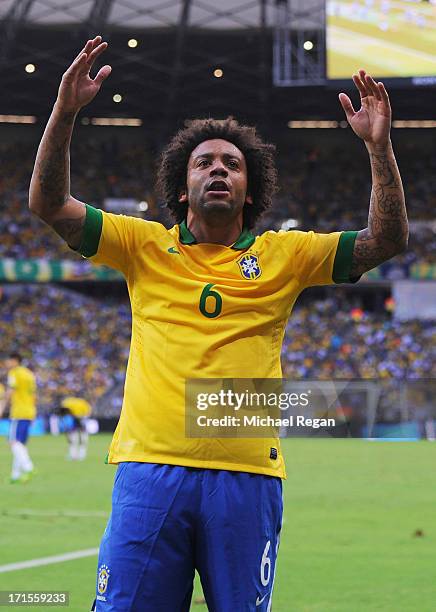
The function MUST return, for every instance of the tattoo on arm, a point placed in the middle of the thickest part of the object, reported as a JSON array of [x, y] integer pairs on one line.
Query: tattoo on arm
[[54, 162], [53, 176], [388, 203], [49, 194], [391, 228], [368, 254], [387, 231], [70, 230], [383, 170]]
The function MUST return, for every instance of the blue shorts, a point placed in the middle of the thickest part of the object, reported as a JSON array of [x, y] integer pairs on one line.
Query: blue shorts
[[169, 520], [76, 424], [19, 430]]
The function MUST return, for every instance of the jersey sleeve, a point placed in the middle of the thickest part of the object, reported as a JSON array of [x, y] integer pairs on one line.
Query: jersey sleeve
[[12, 380], [321, 259], [110, 239]]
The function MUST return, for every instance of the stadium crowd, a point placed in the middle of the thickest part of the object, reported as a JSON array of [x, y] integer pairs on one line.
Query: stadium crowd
[[322, 188], [329, 339], [78, 345], [99, 170], [75, 345]]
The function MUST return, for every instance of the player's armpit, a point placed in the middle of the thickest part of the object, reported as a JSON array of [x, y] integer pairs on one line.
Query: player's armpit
[[369, 252], [68, 221]]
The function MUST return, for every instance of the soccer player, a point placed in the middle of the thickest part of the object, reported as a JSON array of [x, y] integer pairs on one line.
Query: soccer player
[[209, 300], [2, 399], [77, 434], [21, 394]]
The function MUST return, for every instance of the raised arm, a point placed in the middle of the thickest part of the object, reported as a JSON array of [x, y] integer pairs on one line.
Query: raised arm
[[387, 232], [49, 195]]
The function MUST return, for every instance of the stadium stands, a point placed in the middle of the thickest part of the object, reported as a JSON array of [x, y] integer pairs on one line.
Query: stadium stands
[[78, 344], [322, 188], [329, 339]]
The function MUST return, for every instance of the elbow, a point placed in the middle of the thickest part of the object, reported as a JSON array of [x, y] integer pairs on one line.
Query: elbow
[[38, 210], [404, 246], [34, 207], [394, 248], [394, 239], [403, 243], [44, 208]]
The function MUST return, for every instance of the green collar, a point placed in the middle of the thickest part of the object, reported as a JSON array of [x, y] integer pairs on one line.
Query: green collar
[[244, 241]]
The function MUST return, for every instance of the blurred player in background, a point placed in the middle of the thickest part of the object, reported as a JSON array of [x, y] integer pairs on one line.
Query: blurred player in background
[[79, 409], [209, 299], [2, 398], [21, 395]]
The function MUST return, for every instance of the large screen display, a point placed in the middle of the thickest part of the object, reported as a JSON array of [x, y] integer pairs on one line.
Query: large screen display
[[388, 38]]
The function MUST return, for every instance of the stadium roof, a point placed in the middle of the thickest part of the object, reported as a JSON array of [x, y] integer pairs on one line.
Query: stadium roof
[[172, 72], [222, 14]]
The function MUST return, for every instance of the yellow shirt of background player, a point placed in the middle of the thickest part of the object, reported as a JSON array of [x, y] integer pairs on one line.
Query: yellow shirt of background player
[[2, 394], [180, 330], [23, 398], [77, 406]]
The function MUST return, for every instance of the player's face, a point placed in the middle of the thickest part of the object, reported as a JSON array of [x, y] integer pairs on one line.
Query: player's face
[[216, 181]]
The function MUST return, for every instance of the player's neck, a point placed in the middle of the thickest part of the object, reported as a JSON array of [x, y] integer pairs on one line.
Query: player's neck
[[214, 234]]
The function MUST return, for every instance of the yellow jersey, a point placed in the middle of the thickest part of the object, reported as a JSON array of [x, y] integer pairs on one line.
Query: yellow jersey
[[77, 407], [23, 398], [204, 311]]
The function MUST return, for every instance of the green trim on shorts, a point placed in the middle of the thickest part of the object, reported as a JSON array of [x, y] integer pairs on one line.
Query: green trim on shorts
[[344, 258], [91, 231]]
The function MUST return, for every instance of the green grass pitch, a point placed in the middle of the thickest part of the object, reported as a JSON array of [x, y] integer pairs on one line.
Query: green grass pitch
[[352, 510]]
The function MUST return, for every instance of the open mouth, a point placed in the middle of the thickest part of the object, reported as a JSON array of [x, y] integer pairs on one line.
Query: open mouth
[[218, 188]]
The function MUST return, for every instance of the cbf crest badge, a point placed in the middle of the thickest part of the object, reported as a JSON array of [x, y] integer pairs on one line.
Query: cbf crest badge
[[103, 579], [249, 266]]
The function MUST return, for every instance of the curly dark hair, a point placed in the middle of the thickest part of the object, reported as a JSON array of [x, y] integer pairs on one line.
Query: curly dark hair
[[259, 157]]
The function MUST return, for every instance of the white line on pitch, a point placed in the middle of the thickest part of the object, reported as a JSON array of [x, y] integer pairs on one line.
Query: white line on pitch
[[78, 554], [56, 513]]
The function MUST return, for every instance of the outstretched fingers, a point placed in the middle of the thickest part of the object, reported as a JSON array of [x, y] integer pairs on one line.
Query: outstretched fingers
[[360, 83], [102, 74], [86, 58], [368, 87], [76, 67], [89, 46], [384, 94], [95, 53], [373, 87]]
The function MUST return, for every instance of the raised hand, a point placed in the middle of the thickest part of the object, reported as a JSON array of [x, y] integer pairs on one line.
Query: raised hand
[[77, 88], [372, 122]]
